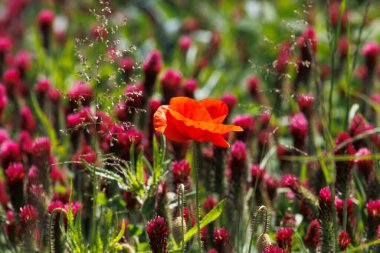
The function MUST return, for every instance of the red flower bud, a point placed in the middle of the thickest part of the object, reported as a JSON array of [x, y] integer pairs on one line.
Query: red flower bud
[[184, 43], [45, 19], [157, 230], [181, 173], [209, 203], [9, 152], [230, 100], [170, 84], [343, 240], [28, 215], [189, 88], [284, 238], [221, 237], [313, 235], [27, 122]]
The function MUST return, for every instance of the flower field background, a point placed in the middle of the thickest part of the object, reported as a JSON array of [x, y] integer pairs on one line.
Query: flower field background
[[189, 126]]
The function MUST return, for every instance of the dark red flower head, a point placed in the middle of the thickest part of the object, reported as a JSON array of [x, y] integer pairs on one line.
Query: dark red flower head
[[306, 103], [28, 215], [373, 209], [184, 43], [343, 240], [307, 41], [284, 238], [80, 93], [189, 88], [313, 235], [371, 50], [41, 148], [209, 203], [23, 61], [284, 54], [230, 100], [247, 123], [27, 122], [238, 151], [15, 173], [291, 181], [257, 173], [45, 19], [153, 63], [157, 230], [343, 47], [3, 99], [5, 44], [181, 173], [54, 205], [12, 80], [42, 87], [9, 152], [253, 85], [334, 14], [325, 197], [273, 249], [170, 84], [221, 237], [299, 127], [364, 165]]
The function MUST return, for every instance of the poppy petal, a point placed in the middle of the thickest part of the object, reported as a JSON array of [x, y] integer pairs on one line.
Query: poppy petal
[[159, 118], [217, 109], [189, 108]]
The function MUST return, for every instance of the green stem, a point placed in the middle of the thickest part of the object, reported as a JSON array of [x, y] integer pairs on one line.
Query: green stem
[[195, 167]]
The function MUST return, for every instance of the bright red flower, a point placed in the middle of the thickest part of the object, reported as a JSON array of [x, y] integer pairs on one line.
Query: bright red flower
[[186, 119]]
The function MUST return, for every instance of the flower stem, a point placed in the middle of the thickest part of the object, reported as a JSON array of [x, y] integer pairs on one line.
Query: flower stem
[[195, 167]]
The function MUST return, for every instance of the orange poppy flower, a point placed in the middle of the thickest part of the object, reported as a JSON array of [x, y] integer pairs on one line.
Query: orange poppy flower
[[186, 119]]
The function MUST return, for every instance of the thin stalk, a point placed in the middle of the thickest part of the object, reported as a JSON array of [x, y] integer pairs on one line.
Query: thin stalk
[[195, 167]]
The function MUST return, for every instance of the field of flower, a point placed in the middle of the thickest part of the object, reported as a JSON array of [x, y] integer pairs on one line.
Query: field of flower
[[218, 126]]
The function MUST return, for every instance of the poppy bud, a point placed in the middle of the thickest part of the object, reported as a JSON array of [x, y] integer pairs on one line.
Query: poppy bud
[[181, 174], [15, 180], [284, 238], [157, 230], [189, 88], [9, 153], [343, 240], [313, 235], [45, 21], [371, 51], [152, 66], [263, 242], [220, 240], [170, 84], [299, 129], [177, 229], [27, 122]]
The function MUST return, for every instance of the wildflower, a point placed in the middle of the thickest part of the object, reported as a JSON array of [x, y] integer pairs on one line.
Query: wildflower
[[170, 84], [3, 195], [334, 14], [325, 198], [22, 62], [99, 31], [299, 129], [12, 81], [343, 48], [253, 85], [41, 152], [271, 185], [290, 181], [3, 100], [343, 240], [27, 122], [284, 238], [181, 173], [371, 51], [28, 215], [284, 54], [186, 119], [230, 100], [15, 180], [127, 66], [184, 43], [9, 152], [209, 203], [80, 93], [151, 66], [45, 21], [247, 123], [313, 235], [273, 249], [157, 230], [306, 103], [220, 239], [365, 165], [257, 174]]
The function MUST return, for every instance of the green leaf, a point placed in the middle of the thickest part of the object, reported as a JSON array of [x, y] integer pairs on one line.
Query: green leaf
[[119, 235], [207, 219]]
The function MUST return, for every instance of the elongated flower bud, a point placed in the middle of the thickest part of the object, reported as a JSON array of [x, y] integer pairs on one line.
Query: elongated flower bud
[[152, 67], [313, 236], [157, 230], [15, 180]]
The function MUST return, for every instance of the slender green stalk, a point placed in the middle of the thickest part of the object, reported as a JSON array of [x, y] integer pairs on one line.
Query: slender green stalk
[[195, 167]]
